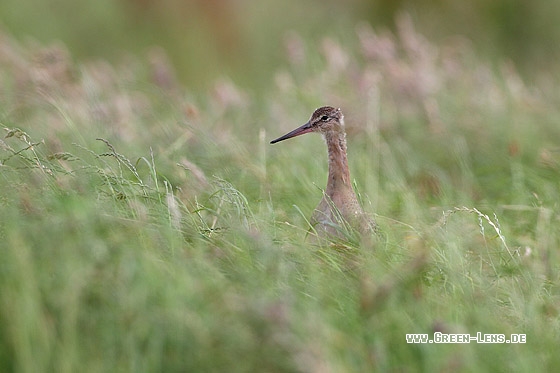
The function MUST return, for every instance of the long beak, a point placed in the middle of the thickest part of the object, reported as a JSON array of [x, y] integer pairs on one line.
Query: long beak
[[306, 128]]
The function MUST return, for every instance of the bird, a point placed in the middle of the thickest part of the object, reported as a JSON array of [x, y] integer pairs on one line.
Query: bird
[[339, 208]]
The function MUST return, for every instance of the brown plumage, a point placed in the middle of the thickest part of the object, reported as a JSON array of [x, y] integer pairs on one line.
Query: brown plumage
[[339, 205]]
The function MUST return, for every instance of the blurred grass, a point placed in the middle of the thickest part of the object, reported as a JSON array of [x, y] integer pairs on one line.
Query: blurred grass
[[145, 227], [207, 39]]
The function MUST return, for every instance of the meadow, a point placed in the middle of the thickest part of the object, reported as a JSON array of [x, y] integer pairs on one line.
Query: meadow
[[147, 227]]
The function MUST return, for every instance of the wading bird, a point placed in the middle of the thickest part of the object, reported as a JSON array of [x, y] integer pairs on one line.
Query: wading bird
[[339, 207]]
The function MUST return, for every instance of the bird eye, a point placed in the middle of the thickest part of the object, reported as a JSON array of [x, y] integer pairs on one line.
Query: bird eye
[[324, 118]]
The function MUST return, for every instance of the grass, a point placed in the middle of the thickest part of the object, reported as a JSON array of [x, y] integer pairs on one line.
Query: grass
[[146, 228]]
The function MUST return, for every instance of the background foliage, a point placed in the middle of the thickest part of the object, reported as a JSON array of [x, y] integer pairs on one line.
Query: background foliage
[[147, 225]]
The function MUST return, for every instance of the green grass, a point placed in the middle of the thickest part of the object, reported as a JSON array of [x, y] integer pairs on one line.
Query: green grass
[[146, 228]]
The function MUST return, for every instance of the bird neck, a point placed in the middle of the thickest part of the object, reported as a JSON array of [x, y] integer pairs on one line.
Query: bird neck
[[339, 174]]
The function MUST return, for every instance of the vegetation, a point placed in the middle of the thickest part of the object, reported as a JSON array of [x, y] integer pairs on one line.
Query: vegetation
[[147, 228]]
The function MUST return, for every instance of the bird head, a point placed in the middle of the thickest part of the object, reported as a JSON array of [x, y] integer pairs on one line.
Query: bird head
[[324, 120]]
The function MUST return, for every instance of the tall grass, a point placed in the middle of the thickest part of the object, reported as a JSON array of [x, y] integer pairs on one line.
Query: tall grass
[[147, 228]]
